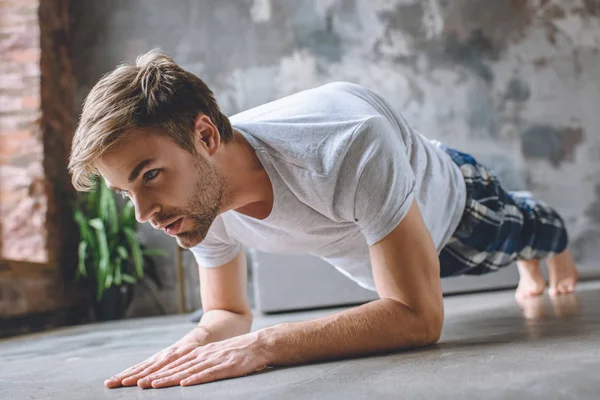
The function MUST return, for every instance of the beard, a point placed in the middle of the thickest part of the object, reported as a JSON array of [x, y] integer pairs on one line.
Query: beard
[[203, 206]]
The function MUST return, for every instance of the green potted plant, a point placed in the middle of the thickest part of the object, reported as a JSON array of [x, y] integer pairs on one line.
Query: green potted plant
[[110, 258]]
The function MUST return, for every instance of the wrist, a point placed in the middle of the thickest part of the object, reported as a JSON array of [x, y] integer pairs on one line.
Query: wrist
[[199, 335], [268, 341]]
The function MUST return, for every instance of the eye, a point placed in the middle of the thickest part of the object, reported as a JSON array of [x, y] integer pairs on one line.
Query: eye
[[150, 175]]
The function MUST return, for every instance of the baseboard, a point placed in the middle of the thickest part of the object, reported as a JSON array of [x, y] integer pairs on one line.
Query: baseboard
[[37, 322]]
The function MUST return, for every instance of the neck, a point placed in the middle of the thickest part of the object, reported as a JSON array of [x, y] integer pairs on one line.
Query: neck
[[248, 189]]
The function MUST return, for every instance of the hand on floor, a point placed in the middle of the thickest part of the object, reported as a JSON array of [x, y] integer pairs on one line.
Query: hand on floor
[[194, 364], [130, 376]]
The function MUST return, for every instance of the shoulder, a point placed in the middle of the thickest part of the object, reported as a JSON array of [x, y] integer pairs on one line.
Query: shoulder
[[374, 137], [311, 130], [343, 98]]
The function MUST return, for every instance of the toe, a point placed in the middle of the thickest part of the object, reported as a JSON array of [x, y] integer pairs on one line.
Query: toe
[[568, 288]]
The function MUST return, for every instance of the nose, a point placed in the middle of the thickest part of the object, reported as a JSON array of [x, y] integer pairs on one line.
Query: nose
[[145, 208]]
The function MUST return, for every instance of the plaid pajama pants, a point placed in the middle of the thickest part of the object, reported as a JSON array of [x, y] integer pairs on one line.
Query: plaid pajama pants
[[498, 227]]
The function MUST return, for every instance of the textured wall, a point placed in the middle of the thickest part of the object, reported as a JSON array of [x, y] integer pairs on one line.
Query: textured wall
[[515, 82]]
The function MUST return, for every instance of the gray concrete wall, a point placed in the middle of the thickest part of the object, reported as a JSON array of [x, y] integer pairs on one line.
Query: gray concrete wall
[[517, 83]]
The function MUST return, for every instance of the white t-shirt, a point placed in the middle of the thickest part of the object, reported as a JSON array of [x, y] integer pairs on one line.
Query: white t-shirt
[[345, 169]]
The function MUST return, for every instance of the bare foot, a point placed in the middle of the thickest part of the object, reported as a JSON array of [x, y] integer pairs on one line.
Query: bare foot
[[531, 281], [563, 273]]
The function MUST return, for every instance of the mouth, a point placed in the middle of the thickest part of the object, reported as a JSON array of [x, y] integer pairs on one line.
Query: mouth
[[173, 228]]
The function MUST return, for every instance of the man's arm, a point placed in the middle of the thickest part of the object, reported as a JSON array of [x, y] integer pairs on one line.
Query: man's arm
[[224, 300], [408, 314]]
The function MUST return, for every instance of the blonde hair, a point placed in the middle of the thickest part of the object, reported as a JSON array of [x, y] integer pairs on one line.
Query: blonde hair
[[155, 93]]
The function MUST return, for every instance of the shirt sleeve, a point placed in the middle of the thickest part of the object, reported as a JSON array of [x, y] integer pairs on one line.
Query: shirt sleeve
[[217, 248], [376, 184]]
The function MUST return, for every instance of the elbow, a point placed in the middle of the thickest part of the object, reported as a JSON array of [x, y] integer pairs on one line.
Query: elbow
[[249, 318], [431, 330], [433, 336], [424, 327], [245, 316]]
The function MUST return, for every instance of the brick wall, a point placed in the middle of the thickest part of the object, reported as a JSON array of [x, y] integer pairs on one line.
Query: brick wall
[[37, 243], [23, 205]]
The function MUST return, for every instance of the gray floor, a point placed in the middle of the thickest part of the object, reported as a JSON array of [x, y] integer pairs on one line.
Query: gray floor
[[491, 348]]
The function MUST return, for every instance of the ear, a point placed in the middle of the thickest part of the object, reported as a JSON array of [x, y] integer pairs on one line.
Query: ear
[[206, 134]]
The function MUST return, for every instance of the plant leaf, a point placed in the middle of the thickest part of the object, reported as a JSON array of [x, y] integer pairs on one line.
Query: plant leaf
[[82, 254], [96, 223], [108, 209], [99, 292], [154, 252], [88, 236], [109, 281], [123, 252], [118, 272], [110, 275], [92, 201], [128, 215], [136, 251], [104, 255], [129, 279], [85, 232]]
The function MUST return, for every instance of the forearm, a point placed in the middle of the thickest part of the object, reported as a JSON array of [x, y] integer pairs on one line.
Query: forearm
[[217, 325], [379, 326]]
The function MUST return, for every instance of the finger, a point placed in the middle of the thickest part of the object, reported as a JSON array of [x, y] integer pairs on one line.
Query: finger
[[157, 365], [174, 379], [163, 374], [141, 365], [116, 381], [138, 367], [145, 378], [145, 381], [133, 380], [181, 360], [218, 372]]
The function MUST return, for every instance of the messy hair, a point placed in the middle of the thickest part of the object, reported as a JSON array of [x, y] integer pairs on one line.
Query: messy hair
[[156, 94]]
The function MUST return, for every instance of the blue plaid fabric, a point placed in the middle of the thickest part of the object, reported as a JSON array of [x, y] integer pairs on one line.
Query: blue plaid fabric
[[498, 227]]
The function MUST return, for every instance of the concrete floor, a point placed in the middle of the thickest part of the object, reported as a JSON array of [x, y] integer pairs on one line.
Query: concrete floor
[[491, 348]]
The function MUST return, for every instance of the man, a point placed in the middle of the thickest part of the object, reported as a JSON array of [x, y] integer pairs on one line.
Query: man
[[334, 172]]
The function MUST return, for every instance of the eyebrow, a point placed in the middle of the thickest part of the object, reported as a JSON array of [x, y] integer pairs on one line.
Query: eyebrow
[[135, 172]]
